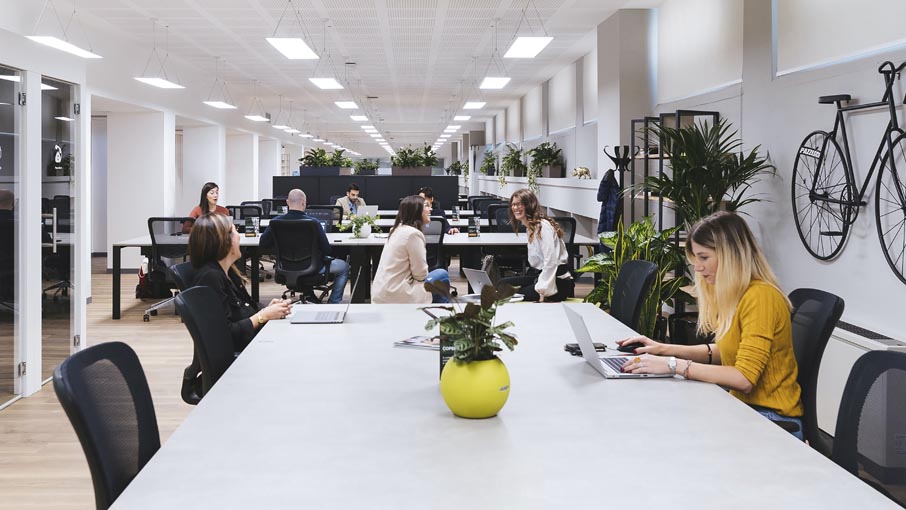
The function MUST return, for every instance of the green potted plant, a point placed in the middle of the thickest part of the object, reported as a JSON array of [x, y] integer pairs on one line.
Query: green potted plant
[[340, 161], [362, 225], [318, 162], [546, 160], [488, 164], [511, 164], [708, 170], [641, 241], [410, 161], [465, 169], [454, 169], [366, 167], [474, 383]]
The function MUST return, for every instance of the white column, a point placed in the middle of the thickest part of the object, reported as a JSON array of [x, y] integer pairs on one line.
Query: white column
[[83, 199], [98, 184], [269, 152], [203, 160], [294, 152], [141, 164], [241, 182]]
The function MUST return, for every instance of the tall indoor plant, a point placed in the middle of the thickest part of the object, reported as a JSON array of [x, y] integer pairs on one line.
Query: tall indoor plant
[[474, 383]]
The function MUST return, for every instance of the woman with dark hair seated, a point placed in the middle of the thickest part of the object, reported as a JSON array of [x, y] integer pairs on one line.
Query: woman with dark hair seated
[[210, 193], [403, 268], [436, 208]]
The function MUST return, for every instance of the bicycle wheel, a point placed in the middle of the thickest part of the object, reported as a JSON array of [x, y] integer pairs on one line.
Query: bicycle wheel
[[890, 207], [822, 218]]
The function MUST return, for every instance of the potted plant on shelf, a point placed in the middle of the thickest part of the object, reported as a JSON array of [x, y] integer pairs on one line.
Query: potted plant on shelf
[[474, 383], [708, 171], [409, 161], [546, 160], [465, 169], [317, 162], [488, 164], [366, 167], [362, 225], [511, 164], [641, 241], [344, 164], [454, 169]]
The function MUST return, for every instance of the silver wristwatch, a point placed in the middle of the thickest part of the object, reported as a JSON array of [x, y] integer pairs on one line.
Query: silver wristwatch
[[671, 364]]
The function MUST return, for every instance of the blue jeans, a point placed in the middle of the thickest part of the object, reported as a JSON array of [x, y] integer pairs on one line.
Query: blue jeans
[[439, 275], [339, 269], [775, 416]]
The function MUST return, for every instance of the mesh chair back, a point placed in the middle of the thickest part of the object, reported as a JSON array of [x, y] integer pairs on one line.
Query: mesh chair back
[[202, 312], [815, 314], [501, 219], [298, 257], [182, 275], [335, 209], [630, 291], [471, 198], [267, 206], [476, 203], [871, 423], [251, 202], [105, 394], [434, 240], [333, 199], [326, 216], [234, 211], [249, 211], [483, 206], [568, 226], [169, 241]]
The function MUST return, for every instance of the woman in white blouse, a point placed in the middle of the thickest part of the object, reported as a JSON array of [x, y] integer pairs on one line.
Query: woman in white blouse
[[403, 268], [546, 252]]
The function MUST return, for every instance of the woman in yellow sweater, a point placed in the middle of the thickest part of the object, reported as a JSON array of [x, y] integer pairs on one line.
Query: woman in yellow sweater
[[740, 302]]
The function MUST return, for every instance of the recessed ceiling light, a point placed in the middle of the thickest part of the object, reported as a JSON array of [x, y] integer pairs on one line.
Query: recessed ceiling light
[[293, 48], [64, 119], [445, 136], [494, 82], [346, 105], [318, 140], [371, 130], [375, 135], [527, 47], [292, 131], [62, 45], [367, 127], [326, 83], [257, 118], [450, 130], [474, 105], [281, 126], [220, 105], [359, 118], [454, 128], [307, 135], [159, 83], [462, 117]]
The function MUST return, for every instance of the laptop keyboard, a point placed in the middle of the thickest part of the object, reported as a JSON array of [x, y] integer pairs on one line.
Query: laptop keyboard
[[616, 363], [325, 316]]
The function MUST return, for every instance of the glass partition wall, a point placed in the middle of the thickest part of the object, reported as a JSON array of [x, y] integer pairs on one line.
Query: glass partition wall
[[9, 221]]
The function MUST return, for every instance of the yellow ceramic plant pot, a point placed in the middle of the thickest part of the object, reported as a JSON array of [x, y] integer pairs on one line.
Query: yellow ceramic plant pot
[[475, 390]]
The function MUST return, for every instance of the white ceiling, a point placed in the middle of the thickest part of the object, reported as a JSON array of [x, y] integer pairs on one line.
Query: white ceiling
[[421, 59]]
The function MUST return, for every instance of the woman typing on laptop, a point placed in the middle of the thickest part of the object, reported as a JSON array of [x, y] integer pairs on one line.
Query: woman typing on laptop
[[740, 302]]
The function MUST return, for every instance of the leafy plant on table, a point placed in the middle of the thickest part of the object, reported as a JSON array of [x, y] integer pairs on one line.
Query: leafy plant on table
[[355, 223]]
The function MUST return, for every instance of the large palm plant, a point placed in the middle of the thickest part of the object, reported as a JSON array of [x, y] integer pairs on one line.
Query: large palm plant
[[708, 170]]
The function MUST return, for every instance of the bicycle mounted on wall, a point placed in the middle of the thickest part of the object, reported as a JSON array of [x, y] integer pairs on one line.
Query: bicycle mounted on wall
[[826, 201]]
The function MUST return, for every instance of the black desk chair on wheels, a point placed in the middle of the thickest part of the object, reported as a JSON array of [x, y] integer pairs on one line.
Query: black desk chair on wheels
[[299, 261], [507, 258], [630, 291], [202, 313], [325, 216], [105, 395], [568, 226], [169, 246], [434, 232]]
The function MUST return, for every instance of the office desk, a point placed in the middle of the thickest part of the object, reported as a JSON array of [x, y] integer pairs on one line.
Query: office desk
[[391, 213], [359, 256], [462, 223], [334, 417]]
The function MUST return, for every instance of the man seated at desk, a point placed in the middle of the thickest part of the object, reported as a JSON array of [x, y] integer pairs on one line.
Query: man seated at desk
[[339, 269], [351, 202]]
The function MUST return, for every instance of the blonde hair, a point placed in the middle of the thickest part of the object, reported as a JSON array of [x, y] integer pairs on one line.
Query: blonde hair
[[739, 261]]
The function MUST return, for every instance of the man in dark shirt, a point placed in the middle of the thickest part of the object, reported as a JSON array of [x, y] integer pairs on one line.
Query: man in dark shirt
[[339, 269]]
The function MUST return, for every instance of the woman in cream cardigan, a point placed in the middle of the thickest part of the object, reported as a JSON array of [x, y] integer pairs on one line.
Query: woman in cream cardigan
[[403, 268]]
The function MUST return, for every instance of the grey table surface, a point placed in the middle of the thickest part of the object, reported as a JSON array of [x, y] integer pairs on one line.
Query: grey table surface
[[333, 416]]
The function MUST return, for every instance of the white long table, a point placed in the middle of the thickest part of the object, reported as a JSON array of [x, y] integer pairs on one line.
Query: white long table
[[333, 416]]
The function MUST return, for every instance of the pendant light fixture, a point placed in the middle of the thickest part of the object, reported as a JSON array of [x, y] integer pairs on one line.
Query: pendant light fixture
[[277, 124], [293, 48], [501, 79], [62, 44], [160, 78], [325, 82], [256, 110], [528, 46], [221, 101]]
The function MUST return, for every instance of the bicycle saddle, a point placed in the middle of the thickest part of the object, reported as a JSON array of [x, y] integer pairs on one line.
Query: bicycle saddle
[[834, 99]]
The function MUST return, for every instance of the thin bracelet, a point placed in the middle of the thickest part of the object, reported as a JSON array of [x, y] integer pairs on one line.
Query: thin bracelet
[[686, 370], [709, 352]]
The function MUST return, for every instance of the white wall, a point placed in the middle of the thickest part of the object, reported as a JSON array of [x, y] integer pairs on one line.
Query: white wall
[[500, 128], [241, 180], [561, 99], [203, 160], [98, 184], [532, 113], [268, 166], [815, 32], [514, 122], [699, 46], [590, 86]]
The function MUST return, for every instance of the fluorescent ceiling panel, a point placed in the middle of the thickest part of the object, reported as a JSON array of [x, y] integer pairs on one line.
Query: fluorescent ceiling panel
[[375, 135], [159, 83], [281, 126], [318, 140], [220, 105], [326, 83], [474, 105], [292, 131], [494, 82], [346, 105], [359, 118], [454, 128], [462, 117], [307, 135], [62, 45], [367, 127], [257, 118], [17, 79], [445, 136], [527, 47], [64, 119], [371, 130], [293, 48]]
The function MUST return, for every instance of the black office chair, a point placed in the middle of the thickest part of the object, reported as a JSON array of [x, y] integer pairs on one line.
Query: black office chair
[[630, 291], [568, 226], [181, 275], [476, 204], [336, 210], [105, 395], [257, 203], [299, 261], [324, 215], [870, 424], [333, 199], [815, 314], [470, 199], [234, 211], [169, 246], [202, 313], [434, 239], [63, 205], [507, 258], [267, 207], [249, 211], [483, 206]]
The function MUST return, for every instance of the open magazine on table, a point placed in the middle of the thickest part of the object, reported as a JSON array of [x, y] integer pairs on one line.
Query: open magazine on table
[[419, 342]]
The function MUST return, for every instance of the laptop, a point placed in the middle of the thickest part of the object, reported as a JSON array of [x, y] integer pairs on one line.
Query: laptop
[[304, 316], [368, 210], [607, 366], [477, 280]]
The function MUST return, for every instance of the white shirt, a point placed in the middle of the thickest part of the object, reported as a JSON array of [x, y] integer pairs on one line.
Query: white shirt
[[545, 252]]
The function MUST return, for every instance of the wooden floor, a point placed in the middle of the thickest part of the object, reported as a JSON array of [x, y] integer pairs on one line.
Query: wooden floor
[[41, 462]]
